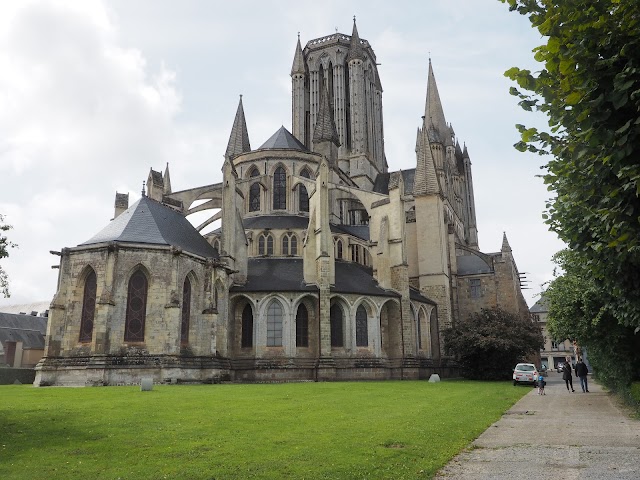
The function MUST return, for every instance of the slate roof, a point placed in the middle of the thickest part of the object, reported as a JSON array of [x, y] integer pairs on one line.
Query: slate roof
[[283, 140], [540, 306], [276, 222], [286, 275], [472, 264], [148, 221], [381, 184], [418, 297], [359, 231], [28, 329]]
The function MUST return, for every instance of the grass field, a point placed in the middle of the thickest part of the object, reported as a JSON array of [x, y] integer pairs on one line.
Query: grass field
[[370, 430]]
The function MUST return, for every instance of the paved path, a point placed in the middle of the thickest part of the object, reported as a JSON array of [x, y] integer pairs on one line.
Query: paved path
[[559, 436]]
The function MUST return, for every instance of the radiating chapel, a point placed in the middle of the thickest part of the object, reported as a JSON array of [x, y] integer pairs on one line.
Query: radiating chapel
[[327, 264]]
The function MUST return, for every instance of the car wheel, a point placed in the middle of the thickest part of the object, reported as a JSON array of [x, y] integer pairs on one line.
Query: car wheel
[[515, 383]]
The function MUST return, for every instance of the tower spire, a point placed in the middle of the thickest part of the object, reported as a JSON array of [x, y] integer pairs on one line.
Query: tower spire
[[167, 180], [433, 112], [239, 138], [505, 243]]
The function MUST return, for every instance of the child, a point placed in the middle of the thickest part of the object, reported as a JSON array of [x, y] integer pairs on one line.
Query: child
[[541, 384]]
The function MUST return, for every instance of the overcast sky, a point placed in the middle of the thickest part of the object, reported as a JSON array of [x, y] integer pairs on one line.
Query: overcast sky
[[93, 94]]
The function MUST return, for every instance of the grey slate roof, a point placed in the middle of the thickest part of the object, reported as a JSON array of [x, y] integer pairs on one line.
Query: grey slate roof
[[286, 275], [27, 329], [472, 264], [276, 222], [148, 221], [540, 306], [381, 184], [283, 140], [360, 231], [418, 297]]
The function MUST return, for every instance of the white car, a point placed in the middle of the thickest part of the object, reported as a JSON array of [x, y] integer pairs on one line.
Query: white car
[[525, 373]]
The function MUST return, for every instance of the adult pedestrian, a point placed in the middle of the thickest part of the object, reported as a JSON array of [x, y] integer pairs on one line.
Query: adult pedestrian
[[581, 373], [567, 377]]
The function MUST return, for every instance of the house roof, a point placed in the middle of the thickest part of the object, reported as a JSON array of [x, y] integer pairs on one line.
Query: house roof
[[418, 297], [542, 305], [286, 275], [28, 329], [283, 140], [148, 221]]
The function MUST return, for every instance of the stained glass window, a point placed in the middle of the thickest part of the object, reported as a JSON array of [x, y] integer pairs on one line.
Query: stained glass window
[[302, 327], [279, 189], [88, 307], [362, 332], [136, 308], [186, 311]]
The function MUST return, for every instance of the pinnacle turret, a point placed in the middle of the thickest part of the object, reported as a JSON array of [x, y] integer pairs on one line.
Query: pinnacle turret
[[239, 138], [426, 179], [167, 180], [298, 66], [325, 129], [356, 52], [505, 243]]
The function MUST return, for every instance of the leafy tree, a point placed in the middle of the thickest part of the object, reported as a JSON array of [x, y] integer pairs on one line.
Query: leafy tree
[[5, 244], [489, 344], [577, 310], [589, 88]]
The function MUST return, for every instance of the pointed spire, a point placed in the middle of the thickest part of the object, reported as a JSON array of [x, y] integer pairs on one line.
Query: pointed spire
[[465, 152], [426, 179], [434, 115], [356, 52], [325, 129], [505, 243], [298, 60], [239, 138], [458, 150], [167, 180]]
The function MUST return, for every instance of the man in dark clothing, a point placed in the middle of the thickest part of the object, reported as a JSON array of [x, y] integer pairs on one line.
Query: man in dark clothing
[[581, 372], [566, 376]]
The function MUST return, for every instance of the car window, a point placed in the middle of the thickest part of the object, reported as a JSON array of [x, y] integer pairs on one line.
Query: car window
[[525, 368]]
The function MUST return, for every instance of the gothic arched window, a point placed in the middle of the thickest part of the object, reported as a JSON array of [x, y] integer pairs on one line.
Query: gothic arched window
[[254, 197], [88, 307], [136, 308], [302, 327], [274, 324], [335, 316], [280, 189], [339, 249], [289, 244], [186, 312], [362, 332], [265, 244], [247, 327], [303, 198]]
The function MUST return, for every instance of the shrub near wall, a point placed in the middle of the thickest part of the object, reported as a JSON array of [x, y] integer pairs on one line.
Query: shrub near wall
[[10, 375]]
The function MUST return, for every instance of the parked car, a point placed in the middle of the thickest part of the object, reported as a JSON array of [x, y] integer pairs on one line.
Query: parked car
[[525, 373]]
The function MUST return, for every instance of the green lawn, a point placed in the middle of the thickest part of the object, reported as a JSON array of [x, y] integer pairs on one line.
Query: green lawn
[[367, 430]]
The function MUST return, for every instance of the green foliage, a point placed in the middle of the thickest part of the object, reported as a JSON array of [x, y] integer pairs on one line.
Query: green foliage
[[299, 430], [578, 311], [5, 245], [589, 89], [490, 343]]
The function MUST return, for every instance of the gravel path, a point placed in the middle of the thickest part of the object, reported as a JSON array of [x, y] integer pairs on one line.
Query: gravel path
[[559, 436]]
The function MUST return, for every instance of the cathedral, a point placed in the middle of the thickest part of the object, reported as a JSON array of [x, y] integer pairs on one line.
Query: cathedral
[[327, 264]]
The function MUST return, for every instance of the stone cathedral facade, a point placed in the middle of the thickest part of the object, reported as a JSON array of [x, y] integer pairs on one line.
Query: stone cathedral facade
[[327, 265]]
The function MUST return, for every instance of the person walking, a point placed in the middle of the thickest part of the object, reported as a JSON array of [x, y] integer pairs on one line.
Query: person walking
[[581, 373], [567, 377]]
